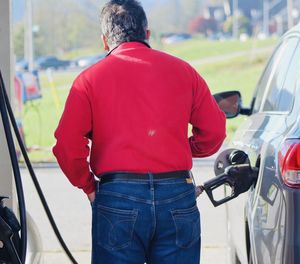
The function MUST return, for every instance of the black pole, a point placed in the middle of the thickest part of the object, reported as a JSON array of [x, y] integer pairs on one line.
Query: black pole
[[16, 171]]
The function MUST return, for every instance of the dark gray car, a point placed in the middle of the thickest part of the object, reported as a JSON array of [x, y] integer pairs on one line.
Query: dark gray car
[[264, 223], [46, 62]]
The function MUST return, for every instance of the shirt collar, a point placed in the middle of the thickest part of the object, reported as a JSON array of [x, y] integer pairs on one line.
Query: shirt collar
[[128, 45]]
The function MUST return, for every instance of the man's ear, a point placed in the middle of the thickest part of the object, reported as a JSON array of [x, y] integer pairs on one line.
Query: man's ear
[[104, 42], [148, 34]]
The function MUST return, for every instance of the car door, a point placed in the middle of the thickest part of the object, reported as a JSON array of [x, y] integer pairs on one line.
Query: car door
[[255, 136], [268, 206]]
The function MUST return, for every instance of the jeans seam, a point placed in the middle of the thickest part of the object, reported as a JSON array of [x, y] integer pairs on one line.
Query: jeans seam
[[132, 198], [178, 197], [185, 211], [153, 209], [117, 211], [135, 199], [171, 181]]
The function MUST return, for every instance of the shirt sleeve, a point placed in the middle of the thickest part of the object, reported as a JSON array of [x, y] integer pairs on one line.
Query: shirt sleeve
[[72, 144], [207, 119]]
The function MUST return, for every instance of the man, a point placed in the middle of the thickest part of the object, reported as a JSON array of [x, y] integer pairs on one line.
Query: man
[[135, 106]]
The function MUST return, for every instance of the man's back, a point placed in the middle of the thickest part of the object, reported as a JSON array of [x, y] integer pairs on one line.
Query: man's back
[[139, 102]]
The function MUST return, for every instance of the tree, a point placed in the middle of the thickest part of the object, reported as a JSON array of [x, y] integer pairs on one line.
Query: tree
[[243, 22], [64, 25], [203, 25], [173, 15]]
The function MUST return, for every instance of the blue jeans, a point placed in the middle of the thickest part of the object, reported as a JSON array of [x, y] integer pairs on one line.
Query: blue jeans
[[152, 221]]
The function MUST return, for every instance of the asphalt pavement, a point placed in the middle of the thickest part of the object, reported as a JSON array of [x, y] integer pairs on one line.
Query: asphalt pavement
[[72, 211]]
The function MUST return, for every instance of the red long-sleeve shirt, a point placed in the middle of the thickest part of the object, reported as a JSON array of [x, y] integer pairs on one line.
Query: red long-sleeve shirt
[[136, 105]]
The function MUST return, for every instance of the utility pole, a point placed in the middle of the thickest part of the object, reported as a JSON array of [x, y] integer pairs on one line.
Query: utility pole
[[177, 17], [266, 18], [6, 179], [226, 6], [235, 22], [29, 56], [290, 7]]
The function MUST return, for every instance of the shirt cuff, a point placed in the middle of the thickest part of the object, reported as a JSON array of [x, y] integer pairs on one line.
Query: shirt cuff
[[90, 188]]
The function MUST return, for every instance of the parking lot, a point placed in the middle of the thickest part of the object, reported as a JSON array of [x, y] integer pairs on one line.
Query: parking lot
[[72, 212]]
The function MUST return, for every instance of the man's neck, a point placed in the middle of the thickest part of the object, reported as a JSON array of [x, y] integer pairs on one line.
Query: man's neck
[[145, 42]]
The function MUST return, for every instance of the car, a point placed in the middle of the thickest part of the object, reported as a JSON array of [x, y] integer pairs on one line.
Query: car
[[264, 223], [46, 62], [86, 61], [170, 38]]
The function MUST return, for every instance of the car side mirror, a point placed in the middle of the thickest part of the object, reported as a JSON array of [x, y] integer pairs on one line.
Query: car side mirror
[[229, 102]]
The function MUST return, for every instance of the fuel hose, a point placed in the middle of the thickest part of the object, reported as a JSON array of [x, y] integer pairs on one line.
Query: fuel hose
[[16, 171], [7, 118]]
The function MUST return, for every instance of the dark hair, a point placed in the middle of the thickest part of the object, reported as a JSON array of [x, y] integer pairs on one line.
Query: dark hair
[[123, 21]]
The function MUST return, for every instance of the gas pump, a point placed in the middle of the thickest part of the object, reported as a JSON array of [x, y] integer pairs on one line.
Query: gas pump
[[9, 237], [12, 245], [9, 224]]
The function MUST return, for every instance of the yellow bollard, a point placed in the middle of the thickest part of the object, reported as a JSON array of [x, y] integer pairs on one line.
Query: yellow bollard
[[53, 89]]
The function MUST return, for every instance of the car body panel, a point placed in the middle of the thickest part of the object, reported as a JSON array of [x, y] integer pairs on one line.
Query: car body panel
[[269, 210]]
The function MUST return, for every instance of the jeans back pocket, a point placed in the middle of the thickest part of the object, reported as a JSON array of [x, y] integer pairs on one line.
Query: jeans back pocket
[[187, 224], [114, 227]]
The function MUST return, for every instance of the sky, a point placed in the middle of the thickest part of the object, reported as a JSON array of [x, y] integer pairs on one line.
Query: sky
[[19, 7]]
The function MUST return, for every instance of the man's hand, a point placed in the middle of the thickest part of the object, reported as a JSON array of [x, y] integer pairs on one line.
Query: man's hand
[[91, 196]]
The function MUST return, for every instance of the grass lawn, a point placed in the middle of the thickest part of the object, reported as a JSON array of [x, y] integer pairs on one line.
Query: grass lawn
[[237, 74], [40, 118], [198, 49]]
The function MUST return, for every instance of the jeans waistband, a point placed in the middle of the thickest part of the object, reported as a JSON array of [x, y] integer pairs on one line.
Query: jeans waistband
[[128, 176]]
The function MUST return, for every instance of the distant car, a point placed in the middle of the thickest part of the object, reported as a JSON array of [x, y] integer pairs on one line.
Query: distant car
[[170, 38], [86, 61], [264, 223], [51, 62]]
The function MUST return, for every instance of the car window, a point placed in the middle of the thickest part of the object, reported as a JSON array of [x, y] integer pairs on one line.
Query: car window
[[287, 93], [263, 81], [275, 84], [269, 71]]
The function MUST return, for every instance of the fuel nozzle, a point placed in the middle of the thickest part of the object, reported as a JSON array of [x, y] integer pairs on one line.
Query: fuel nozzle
[[234, 176]]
